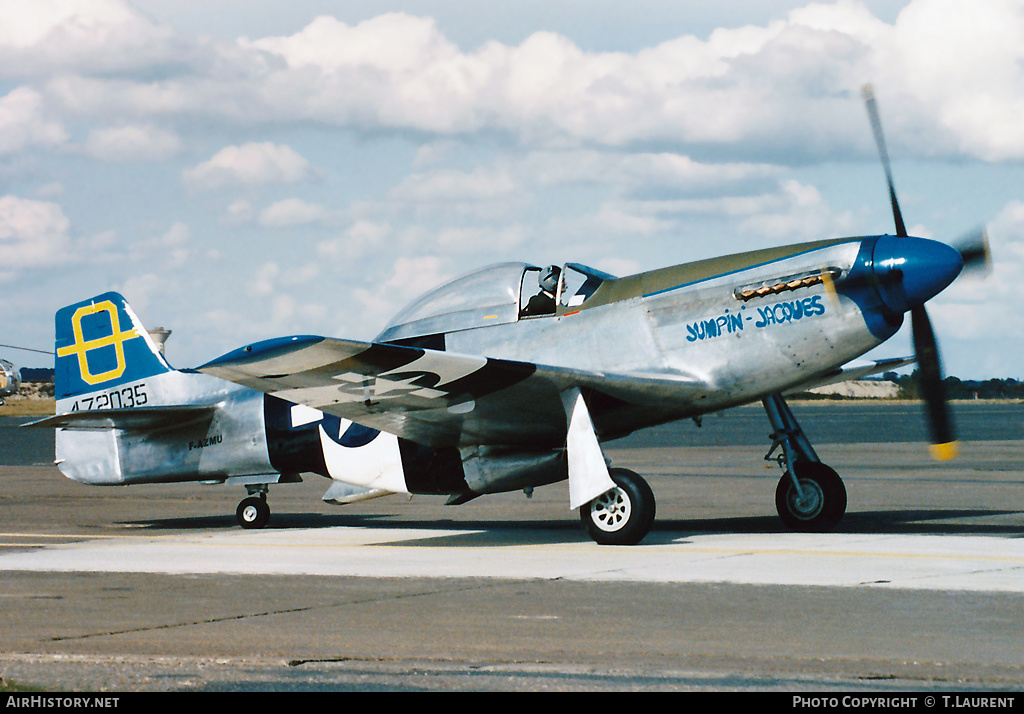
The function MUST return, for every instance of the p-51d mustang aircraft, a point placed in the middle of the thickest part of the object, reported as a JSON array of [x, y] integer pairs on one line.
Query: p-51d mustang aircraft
[[509, 378]]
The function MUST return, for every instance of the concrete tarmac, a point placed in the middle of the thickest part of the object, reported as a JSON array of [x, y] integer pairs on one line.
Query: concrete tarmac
[[920, 589]]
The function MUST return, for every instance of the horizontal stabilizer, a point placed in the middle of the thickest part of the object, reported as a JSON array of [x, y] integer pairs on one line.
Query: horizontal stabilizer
[[135, 419]]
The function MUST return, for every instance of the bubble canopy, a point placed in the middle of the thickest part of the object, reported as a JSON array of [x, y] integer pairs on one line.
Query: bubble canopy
[[483, 297], [492, 295]]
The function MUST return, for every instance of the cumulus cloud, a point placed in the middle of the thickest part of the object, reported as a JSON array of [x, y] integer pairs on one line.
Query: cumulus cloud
[[486, 191], [357, 240], [172, 248], [270, 279], [132, 143], [249, 165], [637, 182], [50, 190], [293, 212], [962, 64], [481, 239], [792, 81], [393, 42], [239, 211], [612, 220], [642, 174], [32, 233], [950, 74], [802, 215], [146, 291], [80, 36], [23, 122], [407, 278]]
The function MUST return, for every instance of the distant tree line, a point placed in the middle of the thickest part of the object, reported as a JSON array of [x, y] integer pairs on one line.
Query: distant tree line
[[36, 374], [957, 388]]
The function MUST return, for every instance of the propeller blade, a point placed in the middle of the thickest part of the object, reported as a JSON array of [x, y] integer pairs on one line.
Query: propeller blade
[[974, 249], [933, 391], [876, 126]]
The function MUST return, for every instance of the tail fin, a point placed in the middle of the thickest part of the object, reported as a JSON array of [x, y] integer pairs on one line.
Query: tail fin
[[101, 344], [125, 416]]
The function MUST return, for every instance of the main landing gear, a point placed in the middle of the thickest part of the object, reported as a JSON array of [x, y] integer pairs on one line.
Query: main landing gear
[[253, 512], [622, 516], [810, 496]]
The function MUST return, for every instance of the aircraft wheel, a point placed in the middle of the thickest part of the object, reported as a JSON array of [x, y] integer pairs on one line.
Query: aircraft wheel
[[823, 503], [252, 512], [622, 516]]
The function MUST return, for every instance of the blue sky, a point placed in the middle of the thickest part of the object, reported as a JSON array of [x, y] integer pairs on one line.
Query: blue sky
[[244, 169]]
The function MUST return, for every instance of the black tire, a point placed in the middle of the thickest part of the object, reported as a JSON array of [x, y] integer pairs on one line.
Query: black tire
[[824, 500], [622, 516], [252, 512]]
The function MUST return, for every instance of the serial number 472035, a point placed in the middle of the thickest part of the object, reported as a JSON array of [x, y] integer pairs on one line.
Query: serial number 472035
[[123, 398]]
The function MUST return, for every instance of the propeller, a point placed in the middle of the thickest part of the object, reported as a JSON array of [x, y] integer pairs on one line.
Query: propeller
[[973, 249], [929, 375], [876, 127]]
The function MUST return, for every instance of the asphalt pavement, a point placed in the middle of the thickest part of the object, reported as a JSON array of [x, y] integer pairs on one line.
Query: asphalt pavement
[[154, 588]]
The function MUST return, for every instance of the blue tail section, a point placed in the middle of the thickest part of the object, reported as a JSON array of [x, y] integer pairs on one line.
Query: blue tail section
[[101, 344]]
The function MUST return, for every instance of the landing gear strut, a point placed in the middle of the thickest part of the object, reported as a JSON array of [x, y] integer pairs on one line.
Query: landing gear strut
[[810, 496], [622, 516], [253, 512]]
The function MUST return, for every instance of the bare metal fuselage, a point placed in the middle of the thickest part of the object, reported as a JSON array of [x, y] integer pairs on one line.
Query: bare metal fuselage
[[724, 351], [228, 439]]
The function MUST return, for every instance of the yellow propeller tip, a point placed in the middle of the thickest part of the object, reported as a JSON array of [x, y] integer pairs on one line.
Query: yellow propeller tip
[[945, 452]]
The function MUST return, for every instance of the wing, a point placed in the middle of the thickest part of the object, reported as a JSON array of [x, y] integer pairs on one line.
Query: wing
[[857, 369], [440, 398]]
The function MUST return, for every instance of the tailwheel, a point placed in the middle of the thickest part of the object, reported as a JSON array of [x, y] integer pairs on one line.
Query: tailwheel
[[819, 504], [253, 512], [623, 515]]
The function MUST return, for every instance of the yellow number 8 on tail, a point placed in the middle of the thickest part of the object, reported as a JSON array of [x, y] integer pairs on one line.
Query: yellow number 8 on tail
[[82, 347]]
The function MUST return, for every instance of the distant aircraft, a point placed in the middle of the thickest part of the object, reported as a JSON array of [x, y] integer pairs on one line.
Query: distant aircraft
[[10, 379], [478, 388], [10, 375]]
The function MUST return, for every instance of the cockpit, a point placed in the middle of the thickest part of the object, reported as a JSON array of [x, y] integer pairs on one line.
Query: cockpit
[[494, 295], [553, 290]]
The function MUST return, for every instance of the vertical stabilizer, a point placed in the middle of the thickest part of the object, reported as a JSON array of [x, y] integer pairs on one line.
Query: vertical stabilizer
[[101, 345], [125, 416]]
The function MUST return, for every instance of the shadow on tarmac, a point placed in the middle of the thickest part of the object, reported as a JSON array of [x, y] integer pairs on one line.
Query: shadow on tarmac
[[540, 532]]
